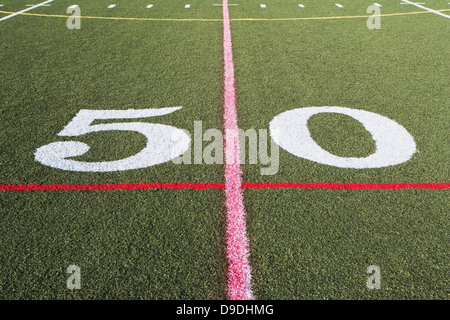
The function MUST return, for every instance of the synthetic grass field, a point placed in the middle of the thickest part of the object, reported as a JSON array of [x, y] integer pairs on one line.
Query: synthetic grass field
[[161, 231]]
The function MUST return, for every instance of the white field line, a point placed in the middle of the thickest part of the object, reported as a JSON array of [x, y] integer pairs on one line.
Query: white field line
[[339, 5], [25, 10], [427, 9]]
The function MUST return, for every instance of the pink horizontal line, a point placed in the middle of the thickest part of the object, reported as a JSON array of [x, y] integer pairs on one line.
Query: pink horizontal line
[[208, 185]]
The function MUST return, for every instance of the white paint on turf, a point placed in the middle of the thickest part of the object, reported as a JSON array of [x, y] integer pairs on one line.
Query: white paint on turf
[[427, 9], [164, 142], [394, 145], [25, 10]]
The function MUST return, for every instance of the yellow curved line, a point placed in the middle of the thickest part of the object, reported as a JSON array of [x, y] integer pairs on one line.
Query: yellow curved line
[[335, 17], [234, 19], [109, 18]]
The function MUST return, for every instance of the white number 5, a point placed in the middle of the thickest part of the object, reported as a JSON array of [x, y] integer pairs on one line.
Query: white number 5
[[164, 142]]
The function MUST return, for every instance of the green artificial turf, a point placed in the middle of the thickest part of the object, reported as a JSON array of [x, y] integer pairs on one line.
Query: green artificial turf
[[317, 244], [50, 72], [397, 72], [170, 244], [128, 244], [154, 244]]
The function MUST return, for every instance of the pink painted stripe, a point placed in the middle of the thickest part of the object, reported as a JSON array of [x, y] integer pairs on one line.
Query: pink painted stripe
[[239, 271]]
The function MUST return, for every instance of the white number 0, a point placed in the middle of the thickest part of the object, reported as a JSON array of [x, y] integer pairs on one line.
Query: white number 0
[[394, 145], [164, 142]]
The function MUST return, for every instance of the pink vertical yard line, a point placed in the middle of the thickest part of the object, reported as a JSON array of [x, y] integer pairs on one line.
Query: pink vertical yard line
[[239, 271]]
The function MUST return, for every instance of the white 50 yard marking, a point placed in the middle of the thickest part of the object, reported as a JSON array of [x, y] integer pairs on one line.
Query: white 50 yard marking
[[394, 145], [25, 10]]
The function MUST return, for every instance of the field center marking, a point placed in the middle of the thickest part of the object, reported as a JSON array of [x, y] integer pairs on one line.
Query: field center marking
[[221, 186], [239, 271], [427, 9], [25, 10]]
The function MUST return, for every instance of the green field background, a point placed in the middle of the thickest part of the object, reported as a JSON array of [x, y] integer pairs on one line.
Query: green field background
[[170, 244]]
